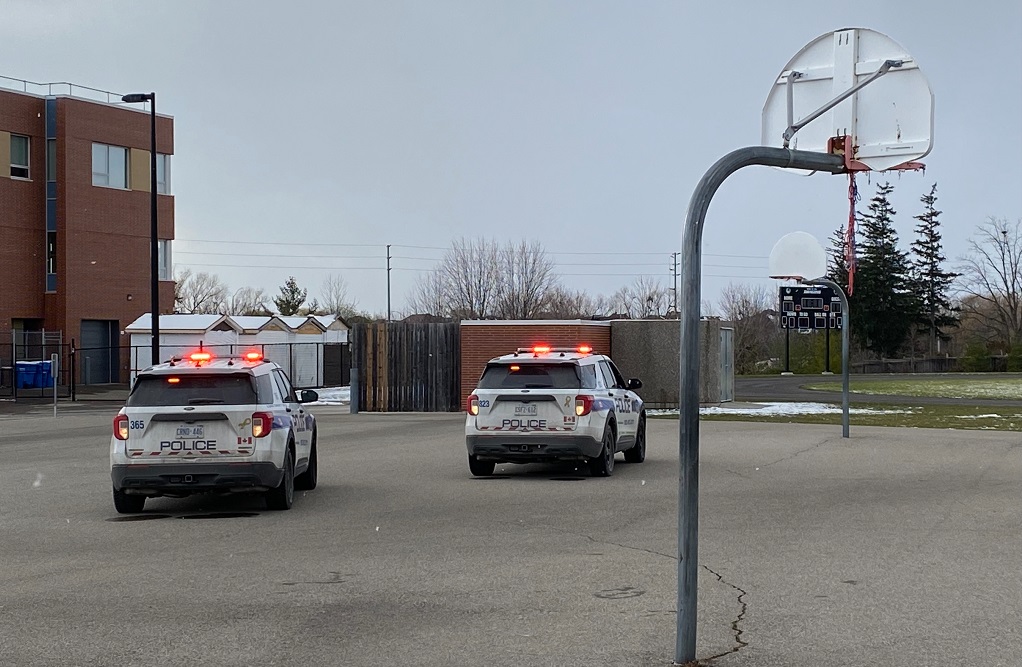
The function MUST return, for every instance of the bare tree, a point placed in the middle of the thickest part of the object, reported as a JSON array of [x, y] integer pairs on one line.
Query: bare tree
[[991, 281], [470, 274], [645, 297], [428, 297], [526, 279], [200, 293], [747, 308], [248, 301], [334, 296], [562, 303], [464, 283]]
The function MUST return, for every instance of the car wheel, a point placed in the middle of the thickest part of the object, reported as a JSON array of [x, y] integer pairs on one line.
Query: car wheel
[[307, 480], [126, 503], [603, 465], [637, 452], [283, 496], [480, 468]]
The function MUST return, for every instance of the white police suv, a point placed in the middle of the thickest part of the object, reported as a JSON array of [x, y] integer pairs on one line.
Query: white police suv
[[213, 424], [554, 404]]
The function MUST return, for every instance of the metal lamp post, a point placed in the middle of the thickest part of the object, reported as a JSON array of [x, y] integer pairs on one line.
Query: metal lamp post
[[154, 241]]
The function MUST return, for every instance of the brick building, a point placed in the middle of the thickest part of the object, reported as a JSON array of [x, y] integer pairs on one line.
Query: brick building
[[74, 219]]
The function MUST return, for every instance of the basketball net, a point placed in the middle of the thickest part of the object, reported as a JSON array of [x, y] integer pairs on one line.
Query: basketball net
[[853, 196]]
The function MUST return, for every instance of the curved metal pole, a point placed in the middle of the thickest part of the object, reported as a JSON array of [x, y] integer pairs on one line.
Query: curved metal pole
[[688, 397], [845, 325]]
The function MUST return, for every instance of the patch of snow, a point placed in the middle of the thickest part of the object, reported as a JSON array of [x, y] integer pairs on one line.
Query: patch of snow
[[333, 396], [782, 409], [977, 416]]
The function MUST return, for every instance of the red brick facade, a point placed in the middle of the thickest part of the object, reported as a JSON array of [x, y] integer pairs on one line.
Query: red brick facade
[[103, 248], [482, 341]]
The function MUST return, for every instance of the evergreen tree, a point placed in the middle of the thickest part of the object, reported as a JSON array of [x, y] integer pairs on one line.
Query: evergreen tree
[[291, 297], [932, 282], [883, 305], [838, 265]]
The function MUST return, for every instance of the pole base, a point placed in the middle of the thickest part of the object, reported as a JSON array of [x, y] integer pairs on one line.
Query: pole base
[[786, 373]]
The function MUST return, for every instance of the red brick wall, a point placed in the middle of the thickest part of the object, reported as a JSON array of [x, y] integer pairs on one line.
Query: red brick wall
[[102, 233], [22, 215], [105, 232], [482, 342]]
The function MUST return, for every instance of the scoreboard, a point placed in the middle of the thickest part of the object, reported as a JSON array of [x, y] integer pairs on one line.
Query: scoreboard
[[807, 308]]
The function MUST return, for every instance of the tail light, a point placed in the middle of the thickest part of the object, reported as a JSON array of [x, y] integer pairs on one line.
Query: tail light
[[121, 427], [472, 405], [583, 405], [262, 424]]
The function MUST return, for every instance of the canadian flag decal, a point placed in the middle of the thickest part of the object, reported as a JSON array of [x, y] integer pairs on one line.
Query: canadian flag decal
[[245, 441]]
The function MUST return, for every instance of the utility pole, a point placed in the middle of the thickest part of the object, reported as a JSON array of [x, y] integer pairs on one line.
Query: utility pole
[[388, 284], [674, 274]]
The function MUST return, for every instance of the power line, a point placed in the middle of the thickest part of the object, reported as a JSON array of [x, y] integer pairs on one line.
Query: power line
[[383, 246]]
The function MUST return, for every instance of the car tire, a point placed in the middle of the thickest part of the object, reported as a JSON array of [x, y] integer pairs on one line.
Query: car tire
[[637, 452], [480, 468], [282, 497], [603, 465], [308, 479], [126, 503]]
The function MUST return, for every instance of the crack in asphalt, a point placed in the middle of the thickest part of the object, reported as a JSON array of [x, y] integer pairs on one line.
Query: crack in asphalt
[[735, 624], [616, 544], [739, 642], [826, 441]]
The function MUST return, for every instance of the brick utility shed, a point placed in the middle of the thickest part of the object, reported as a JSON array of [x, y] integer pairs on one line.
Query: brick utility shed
[[482, 340]]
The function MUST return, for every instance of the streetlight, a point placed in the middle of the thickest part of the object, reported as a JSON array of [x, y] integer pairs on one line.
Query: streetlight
[[154, 241]]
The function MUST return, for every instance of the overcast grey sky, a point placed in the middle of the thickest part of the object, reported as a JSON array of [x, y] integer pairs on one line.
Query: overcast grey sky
[[585, 125]]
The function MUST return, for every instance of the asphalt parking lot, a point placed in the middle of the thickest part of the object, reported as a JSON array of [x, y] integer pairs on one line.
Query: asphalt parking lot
[[896, 547]]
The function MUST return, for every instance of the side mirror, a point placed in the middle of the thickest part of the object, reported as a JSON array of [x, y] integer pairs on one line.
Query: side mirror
[[308, 396], [635, 383]]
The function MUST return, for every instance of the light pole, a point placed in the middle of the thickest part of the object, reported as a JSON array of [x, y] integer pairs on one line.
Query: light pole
[[154, 240]]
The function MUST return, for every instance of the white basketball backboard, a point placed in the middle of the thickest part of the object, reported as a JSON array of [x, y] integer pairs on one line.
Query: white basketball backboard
[[889, 120], [798, 256]]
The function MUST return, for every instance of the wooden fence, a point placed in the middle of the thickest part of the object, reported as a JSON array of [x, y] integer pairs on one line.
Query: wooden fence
[[404, 367]]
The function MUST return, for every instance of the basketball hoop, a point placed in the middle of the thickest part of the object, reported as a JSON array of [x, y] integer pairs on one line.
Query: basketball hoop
[[855, 93]]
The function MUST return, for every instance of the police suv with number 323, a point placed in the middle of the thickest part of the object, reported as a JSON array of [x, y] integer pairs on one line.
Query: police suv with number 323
[[554, 404], [213, 424]]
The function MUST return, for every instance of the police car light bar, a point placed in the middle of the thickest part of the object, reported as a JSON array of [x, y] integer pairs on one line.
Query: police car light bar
[[546, 349]]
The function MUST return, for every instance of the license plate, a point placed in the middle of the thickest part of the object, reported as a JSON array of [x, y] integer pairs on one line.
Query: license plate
[[191, 431], [526, 409]]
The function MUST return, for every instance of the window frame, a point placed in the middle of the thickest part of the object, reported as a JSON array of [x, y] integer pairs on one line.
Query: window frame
[[164, 251], [28, 158], [164, 160], [106, 174]]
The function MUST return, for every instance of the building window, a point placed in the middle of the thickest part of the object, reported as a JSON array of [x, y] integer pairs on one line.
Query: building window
[[162, 174], [164, 260], [51, 252], [51, 159], [19, 156], [110, 166]]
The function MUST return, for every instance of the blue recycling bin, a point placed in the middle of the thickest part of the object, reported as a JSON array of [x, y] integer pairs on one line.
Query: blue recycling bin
[[25, 374], [44, 378]]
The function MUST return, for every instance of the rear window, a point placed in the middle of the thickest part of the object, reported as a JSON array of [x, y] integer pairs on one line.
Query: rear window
[[530, 376], [193, 389]]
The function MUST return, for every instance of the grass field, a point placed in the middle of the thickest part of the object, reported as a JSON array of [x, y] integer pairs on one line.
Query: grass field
[[999, 418], [943, 387]]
